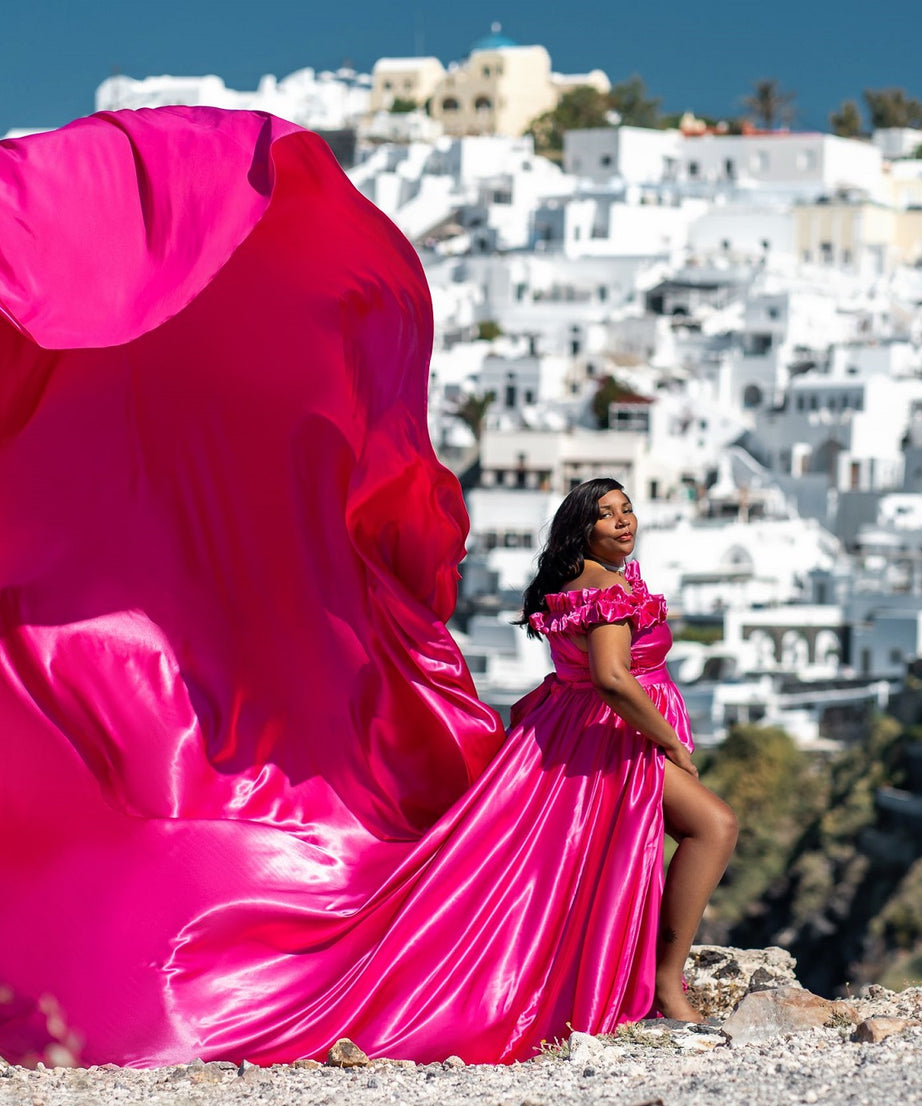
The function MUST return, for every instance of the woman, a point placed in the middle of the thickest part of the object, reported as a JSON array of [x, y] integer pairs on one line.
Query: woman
[[250, 802], [609, 641]]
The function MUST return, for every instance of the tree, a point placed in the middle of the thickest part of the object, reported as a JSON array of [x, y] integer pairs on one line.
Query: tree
[[891, 107], [770, 104], [609, 391], [585, 108], [776, 791], [582, 108], [846, 122], [401, 105], [629, 99], [473, 410]]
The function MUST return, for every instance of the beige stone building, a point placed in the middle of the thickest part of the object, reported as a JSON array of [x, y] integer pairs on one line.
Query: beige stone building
[[861, 235], [404, 79], [498, 90]]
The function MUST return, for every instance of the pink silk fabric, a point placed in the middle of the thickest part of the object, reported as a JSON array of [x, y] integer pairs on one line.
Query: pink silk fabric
[[249, 801]]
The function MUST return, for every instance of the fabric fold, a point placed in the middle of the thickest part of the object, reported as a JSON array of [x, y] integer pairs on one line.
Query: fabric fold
[[229, 552]]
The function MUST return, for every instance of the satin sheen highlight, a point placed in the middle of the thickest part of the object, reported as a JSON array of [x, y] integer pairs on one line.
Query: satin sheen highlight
[[249, 800]]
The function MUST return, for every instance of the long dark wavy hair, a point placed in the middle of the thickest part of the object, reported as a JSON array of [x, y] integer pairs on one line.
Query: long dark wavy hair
[[567, 544]]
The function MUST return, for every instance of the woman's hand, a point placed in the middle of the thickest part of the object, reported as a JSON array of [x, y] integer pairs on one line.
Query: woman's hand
[[681, 758]]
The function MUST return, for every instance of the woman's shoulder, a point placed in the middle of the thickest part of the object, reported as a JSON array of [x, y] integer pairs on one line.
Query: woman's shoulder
[[615, 597], [596, 577], [598, 580]]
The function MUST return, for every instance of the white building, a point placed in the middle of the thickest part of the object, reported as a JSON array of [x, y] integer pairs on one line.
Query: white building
[[603, 225], [737, 230], [630, 155], [776, 164], [556, 462], [706, 567], [318, 101], [897, 142], [781, 164], [484, 188]]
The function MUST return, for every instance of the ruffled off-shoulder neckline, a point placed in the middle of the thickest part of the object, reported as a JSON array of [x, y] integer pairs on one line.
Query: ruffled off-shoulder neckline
[[576, 610]]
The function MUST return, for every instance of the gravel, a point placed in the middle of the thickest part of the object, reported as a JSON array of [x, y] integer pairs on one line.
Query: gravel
[[816, 1066], [836, 1062]]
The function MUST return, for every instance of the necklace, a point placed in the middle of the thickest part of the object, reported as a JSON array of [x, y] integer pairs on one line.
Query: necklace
[[605, 564]]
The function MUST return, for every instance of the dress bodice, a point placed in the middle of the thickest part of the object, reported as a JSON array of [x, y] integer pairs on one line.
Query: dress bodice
[[571, 613]]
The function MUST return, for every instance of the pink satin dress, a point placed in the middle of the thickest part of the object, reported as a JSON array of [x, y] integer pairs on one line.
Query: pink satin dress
[[249, 800]]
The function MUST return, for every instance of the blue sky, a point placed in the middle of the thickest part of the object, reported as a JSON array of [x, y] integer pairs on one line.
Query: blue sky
[[702, 56]]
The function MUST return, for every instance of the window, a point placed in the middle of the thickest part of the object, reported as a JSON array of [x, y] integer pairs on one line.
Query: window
[[387, 86], [486, 71], [730, 168], [510, 395], [806, 161], [826, 253], [633, 418], [483, 103], [752, 396], [757, 345], [759, 161], [605, 160], [693, 169], [450, 104], [529, 396]]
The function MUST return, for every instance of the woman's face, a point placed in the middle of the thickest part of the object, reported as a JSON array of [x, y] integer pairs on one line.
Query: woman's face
[[612, 537]]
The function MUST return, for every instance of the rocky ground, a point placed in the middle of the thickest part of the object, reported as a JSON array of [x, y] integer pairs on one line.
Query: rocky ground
[[771, 1042]]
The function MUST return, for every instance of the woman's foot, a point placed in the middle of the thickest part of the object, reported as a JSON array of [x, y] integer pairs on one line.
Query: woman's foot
[[673, 1004]]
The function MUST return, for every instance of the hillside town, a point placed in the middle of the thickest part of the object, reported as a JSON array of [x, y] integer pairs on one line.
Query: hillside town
[[728, 323]]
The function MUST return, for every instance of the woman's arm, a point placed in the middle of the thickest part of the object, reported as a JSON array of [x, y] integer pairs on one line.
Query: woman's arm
[[610, 667]]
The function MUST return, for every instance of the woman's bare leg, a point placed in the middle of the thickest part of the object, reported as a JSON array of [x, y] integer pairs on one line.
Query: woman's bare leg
[[705, 829]]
